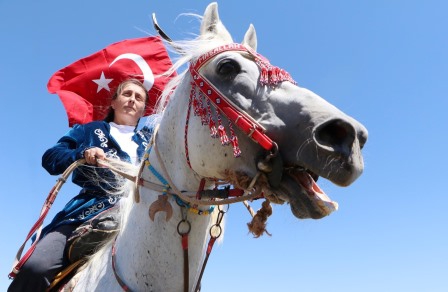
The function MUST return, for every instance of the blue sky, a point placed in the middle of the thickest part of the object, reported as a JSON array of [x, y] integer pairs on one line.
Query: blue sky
[[383, 62]]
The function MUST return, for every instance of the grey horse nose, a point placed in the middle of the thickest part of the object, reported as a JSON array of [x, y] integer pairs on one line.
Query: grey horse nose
[[336, 135]]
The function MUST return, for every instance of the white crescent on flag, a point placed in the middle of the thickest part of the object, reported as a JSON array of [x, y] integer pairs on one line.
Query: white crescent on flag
[[148, 76]]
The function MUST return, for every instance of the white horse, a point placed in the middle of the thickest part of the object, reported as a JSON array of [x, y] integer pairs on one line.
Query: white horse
[[281, 137]]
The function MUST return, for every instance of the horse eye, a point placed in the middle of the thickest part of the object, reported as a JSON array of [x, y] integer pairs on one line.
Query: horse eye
[[228, 67]]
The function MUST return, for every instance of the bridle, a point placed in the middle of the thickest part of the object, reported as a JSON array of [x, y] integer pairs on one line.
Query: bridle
[[234, 114], [270, 75]]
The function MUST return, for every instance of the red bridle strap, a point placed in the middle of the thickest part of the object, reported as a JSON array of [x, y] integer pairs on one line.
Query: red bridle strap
[[236, 115]]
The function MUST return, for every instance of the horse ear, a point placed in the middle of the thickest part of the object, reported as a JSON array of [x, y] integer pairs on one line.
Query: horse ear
[[250, 38], [211, 26]]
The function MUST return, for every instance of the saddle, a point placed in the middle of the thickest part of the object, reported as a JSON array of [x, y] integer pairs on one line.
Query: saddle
[[90, 235], [85, 240]]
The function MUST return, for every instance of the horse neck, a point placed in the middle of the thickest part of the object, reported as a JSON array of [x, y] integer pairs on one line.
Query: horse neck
[[151, 251], [170, 140]]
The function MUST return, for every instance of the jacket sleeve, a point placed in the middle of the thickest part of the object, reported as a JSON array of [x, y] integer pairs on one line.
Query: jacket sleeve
[[67, 150]]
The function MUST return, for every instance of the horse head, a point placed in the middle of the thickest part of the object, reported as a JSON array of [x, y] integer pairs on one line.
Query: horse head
[[288, 133]]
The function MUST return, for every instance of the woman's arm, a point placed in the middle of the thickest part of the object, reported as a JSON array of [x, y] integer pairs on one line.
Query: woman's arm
[[67, 150]]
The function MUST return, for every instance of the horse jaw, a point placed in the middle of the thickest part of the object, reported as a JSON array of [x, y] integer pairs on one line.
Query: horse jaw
[[212, 27]]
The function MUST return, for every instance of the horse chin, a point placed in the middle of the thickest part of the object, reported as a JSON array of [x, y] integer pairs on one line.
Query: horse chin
[[307, 200]]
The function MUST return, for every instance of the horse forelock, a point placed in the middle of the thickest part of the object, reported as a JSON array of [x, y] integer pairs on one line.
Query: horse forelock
[[190, 51]]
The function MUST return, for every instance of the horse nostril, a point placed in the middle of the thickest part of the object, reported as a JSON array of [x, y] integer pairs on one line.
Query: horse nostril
[[362, 136], [337, 134]]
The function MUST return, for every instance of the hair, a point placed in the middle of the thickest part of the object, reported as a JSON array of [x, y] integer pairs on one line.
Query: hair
[[187, 51], [111, 114]]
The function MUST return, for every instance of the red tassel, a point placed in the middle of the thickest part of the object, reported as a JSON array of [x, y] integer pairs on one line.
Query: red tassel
[[213, 131], [271, 75], [264, 77], [222, 133], [203, 115], [193, 97], [236, 147], [234, 140], [199, 109]]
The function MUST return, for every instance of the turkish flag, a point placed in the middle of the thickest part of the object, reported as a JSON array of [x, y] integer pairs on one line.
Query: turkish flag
[[86, 86]]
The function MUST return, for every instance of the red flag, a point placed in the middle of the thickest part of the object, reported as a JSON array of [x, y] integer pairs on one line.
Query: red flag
[[85, 87]]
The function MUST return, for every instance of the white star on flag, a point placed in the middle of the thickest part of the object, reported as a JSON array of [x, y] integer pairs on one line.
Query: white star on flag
[[103, 82]]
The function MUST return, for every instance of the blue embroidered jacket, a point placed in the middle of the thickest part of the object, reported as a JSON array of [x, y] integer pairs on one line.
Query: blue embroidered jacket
[[92, 199]]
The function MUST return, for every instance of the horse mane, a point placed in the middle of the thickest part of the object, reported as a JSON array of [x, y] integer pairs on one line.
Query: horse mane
[[186, 51], [125, 188]]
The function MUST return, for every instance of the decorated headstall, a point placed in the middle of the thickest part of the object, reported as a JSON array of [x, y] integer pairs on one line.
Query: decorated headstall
[[203, 93]]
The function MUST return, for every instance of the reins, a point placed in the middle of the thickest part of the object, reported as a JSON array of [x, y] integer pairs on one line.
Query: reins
[[36, 229], [19, 261], [239, 195]]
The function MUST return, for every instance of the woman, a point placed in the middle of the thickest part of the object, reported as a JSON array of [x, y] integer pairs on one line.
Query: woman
[[117, 137]]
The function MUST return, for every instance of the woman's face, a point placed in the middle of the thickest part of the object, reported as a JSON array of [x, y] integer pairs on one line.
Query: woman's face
[[129, 105]]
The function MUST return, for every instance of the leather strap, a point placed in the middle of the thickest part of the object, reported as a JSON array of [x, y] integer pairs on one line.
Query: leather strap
[[19, 261]]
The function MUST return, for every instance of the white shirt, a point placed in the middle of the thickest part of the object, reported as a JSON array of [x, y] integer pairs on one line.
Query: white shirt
[[123, 135]]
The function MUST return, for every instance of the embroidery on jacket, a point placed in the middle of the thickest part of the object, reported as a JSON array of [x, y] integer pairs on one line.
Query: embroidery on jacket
[[91, 210], [101, 137], [97, 207], [112, 153]]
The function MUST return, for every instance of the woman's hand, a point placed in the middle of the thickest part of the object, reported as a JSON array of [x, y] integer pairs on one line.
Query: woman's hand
[[92, 154]]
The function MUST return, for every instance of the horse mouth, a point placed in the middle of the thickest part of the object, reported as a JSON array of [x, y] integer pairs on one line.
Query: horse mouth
[[306, 198], [293, 184]]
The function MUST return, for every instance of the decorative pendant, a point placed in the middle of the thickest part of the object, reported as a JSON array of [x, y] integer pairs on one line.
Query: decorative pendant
[[161, 204]]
